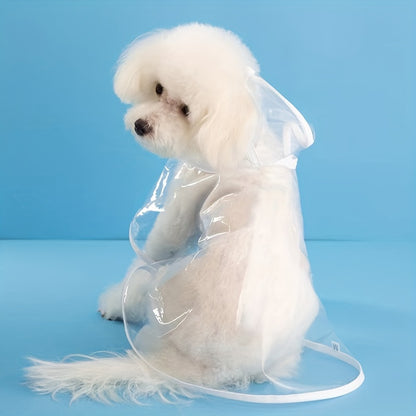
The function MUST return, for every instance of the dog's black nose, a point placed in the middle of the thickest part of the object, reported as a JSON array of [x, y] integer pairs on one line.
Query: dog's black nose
[[142, 127]]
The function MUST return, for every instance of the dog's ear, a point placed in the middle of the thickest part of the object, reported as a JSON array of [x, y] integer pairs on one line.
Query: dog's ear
[[128, 74], [227, 130]]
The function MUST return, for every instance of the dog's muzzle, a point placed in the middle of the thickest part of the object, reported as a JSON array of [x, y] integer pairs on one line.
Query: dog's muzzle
[[142, 127]]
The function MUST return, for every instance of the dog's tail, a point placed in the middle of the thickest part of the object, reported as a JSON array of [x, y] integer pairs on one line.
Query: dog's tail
[[105, 379]]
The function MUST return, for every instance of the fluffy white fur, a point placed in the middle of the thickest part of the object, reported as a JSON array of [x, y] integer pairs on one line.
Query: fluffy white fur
[[250, 290]]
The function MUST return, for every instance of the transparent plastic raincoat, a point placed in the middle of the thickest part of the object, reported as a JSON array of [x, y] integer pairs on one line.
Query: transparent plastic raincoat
[[223, 276]]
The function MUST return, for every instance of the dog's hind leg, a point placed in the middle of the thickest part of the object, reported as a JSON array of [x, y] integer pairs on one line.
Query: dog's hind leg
[[110, 302]]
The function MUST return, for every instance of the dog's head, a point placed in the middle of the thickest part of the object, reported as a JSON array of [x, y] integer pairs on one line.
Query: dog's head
[[189, 96]]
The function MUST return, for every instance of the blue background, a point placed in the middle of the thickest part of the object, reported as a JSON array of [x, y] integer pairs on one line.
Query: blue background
[[69, 171]]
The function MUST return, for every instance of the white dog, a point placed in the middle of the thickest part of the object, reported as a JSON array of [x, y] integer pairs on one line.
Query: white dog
[[245, 299]]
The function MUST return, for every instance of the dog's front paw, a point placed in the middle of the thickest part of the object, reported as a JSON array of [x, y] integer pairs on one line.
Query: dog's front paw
[[109, 304]]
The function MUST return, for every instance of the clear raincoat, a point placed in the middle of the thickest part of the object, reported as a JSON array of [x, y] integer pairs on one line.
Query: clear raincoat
[[235, 252]]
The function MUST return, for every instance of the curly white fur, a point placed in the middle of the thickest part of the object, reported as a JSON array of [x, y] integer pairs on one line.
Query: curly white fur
[[251, 292]]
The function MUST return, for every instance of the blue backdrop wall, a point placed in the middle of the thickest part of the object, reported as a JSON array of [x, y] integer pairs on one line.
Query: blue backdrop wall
[[69, 170]]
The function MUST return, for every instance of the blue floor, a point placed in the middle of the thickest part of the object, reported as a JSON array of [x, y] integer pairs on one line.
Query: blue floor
[[49, 291]]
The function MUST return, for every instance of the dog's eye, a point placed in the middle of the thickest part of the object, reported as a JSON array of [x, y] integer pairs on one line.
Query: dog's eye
[[185, 110], [159, 89]]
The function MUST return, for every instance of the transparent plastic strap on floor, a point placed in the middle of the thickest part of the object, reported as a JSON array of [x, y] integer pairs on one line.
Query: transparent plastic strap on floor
[[329, 393], [272, 398]]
